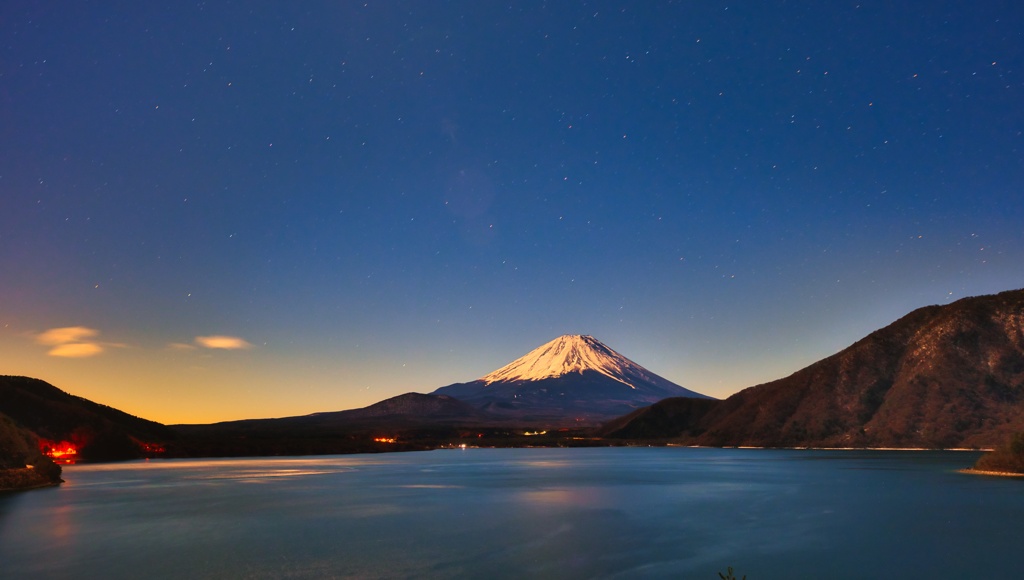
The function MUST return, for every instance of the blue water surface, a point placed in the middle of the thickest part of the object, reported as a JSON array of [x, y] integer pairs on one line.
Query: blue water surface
[[523, 513]]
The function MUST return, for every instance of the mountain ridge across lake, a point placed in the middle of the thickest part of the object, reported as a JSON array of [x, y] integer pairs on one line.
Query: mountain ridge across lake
[[947, 376]]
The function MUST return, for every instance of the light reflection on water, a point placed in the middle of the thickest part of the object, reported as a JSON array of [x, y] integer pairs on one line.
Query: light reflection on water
[[512, 513]]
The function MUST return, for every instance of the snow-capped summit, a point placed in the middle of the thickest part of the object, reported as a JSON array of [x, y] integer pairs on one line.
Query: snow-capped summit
[[572, 378], [572, 353]]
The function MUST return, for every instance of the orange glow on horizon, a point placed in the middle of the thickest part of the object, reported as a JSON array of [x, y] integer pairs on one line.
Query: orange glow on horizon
[[384, 439]]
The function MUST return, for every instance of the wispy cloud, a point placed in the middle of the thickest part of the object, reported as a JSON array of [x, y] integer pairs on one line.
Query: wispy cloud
[[66, 334], [83, 342], [71, 341], [76, 350], [223, 342]]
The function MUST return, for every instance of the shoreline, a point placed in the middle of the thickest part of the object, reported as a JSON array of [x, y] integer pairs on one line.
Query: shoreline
[[971, 471], [15, 479], [832, 448]]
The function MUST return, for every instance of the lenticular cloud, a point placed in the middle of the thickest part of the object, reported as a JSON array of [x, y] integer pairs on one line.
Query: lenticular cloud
[[71, 341], [223, 342]]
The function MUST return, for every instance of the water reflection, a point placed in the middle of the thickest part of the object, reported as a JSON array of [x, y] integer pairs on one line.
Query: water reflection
[[546, 464], [573, 513], [232, 464], [577, 497], [64, 527], [263, 474], [430, 486]]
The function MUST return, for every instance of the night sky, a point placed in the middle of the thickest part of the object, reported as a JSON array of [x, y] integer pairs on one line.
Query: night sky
[[229, 210]]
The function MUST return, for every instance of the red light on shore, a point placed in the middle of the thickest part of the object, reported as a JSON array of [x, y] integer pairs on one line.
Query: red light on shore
[[62, 452], [151, 449]]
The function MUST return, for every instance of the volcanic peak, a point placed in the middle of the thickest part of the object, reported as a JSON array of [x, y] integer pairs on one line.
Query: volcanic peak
[[570, 353]]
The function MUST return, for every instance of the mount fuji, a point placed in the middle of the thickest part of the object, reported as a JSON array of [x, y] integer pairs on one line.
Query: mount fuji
[[573, 378]]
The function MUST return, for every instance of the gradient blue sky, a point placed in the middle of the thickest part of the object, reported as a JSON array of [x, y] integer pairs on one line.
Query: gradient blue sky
[[222, 210]]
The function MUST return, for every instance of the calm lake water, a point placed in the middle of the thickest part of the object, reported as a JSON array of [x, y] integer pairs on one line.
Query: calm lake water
[[515, 513]]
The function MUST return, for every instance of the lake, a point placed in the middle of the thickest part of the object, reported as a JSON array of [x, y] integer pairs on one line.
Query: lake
[[515, 513]]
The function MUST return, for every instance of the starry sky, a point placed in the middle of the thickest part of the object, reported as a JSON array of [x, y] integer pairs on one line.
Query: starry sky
[[225, 210]]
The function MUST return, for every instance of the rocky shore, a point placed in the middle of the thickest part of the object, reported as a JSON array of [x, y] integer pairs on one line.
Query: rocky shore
[[22, 466]]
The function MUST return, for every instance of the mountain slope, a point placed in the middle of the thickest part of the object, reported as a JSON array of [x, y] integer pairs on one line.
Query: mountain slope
[[666, 419], [575, 354], [571, 379], [412, 421], [406, 411], [941, 376], [99, 432]]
